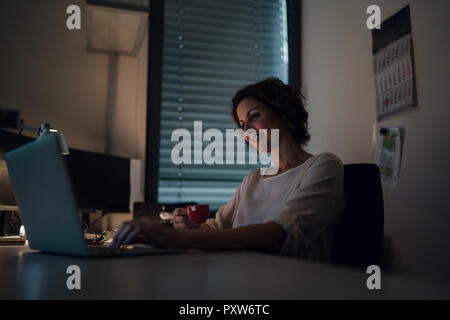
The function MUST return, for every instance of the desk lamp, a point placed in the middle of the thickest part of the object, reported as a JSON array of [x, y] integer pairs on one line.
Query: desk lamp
[[10, 119]]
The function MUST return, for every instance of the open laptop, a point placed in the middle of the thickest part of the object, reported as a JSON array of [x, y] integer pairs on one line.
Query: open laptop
[[45, 197]]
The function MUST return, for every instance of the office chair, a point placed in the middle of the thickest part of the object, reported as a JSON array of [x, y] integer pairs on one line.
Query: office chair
[[359, 236]]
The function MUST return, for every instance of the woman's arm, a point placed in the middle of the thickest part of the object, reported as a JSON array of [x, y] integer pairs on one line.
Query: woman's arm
[[264, 237]]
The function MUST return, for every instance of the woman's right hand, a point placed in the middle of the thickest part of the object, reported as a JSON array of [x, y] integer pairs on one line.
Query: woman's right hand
[[181, 220]]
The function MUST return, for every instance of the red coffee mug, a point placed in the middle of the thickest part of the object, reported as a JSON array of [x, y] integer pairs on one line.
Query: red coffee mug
[[198, 213]]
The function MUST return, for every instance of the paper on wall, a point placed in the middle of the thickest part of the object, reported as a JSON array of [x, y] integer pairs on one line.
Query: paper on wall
[[387, 154]]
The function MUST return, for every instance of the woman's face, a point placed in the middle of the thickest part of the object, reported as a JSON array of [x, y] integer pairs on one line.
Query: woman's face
[[252, 114]]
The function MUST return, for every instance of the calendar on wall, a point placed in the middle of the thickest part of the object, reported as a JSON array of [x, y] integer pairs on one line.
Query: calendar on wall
[[393, 66]]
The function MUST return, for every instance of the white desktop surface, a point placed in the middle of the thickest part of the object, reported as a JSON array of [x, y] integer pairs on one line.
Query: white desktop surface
[[25, 274]]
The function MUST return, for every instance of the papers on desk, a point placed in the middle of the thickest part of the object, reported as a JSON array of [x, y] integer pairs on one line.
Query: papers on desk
[[12, 241], [166, 215]]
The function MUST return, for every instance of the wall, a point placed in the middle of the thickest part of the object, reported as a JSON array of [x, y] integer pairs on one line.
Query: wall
[[129, 120], [130, 117], [337, 80], [46, 72]]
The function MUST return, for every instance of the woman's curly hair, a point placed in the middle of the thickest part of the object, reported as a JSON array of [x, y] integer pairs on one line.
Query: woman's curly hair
[[284, 100]]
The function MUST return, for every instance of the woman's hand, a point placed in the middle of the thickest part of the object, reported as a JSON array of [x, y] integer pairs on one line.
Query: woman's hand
[[181, 220], [265, 237], [148, 231]]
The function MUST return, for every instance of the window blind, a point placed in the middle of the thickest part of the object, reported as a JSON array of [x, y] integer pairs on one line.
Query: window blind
[[212, 49]]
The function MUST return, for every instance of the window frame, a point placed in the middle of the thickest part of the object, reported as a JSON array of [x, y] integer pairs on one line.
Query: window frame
[[154, 89]]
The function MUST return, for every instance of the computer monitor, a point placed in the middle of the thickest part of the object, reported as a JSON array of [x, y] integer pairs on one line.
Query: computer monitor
[[8, 141], [100, 182]]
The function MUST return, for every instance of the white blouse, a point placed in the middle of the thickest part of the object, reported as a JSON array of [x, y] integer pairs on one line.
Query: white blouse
[[306, 201]]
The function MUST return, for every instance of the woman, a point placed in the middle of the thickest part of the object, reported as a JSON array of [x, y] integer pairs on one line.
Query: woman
[[293, 212]]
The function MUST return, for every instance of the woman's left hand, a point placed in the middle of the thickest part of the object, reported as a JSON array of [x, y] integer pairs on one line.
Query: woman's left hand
[[145, 230]]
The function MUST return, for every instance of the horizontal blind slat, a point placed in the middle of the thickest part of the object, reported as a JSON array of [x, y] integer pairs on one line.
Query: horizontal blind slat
[[225, 46]]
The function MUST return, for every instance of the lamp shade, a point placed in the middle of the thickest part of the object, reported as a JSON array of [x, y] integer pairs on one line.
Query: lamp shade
[[46, 131]]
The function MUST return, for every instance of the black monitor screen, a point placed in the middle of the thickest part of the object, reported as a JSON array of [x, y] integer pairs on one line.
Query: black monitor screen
[[100, 182], [8, 142]]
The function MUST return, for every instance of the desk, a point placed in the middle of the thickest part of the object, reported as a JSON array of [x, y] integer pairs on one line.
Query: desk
[[25, 274]]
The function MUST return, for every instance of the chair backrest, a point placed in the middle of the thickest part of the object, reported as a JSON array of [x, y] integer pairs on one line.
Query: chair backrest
[[358, 238]]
